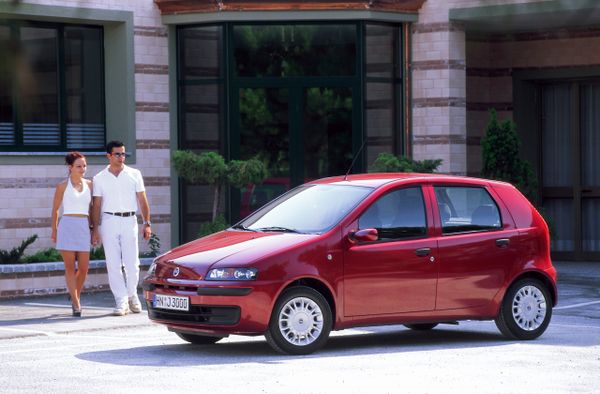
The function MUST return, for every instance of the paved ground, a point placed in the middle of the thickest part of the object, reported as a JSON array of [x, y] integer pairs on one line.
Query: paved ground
[[44, 349], [579, 296]]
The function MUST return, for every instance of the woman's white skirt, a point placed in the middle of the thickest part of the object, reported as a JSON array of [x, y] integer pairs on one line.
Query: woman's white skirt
[[73, 234]]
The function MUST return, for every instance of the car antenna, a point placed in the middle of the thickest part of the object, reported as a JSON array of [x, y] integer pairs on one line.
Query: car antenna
[[354, 159]]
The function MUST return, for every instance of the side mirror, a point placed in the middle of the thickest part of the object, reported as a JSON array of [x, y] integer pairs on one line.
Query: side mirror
[[364, 235]]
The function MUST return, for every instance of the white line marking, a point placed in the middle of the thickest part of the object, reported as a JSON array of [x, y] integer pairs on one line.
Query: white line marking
[[50, 334], [66, 306], [576, 305], [571, 325]]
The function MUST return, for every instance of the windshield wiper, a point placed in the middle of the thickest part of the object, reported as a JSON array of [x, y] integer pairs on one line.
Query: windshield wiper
[[242, 227], [276, 228]]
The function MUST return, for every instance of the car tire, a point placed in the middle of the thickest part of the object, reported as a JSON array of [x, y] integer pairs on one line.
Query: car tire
[[421, 326], [525, 311], [300, 322], [198, 339]]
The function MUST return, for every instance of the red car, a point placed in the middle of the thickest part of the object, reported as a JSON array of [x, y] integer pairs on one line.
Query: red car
[[373, 249]]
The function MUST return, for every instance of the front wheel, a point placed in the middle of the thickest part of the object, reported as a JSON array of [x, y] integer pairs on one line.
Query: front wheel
[[300, 322], [198, 339], [526, 310]]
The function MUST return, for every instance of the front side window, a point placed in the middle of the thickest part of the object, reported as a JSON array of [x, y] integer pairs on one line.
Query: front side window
[[397, 215], [465, 209], [51, 87]]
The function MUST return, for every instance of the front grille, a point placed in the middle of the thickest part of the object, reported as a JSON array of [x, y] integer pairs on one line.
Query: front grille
[[198, 314]]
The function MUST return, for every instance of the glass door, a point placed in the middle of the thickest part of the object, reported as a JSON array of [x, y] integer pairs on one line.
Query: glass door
[[301, 133], [264, 132], [590, 167], [327, 131], [570, 173]]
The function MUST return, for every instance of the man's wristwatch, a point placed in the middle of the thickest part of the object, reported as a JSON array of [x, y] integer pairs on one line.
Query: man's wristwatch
[[148, 223]]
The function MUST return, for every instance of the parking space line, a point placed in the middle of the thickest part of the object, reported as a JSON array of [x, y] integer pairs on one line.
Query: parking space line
[[576, 305], [66, 306], [50, 334]]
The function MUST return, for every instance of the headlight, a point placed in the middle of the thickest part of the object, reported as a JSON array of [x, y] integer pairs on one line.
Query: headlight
[[232, 274]]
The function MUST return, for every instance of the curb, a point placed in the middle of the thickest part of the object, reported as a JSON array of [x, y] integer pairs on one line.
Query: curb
[[39, 279]]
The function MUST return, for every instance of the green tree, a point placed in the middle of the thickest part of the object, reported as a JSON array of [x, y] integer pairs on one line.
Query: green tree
[[210, 168], [502, 159], [386, 162]]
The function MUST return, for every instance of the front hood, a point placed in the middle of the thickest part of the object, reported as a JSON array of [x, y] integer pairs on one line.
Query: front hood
[[237, 248]]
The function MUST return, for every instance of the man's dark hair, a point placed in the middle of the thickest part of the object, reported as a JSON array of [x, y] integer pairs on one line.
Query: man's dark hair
[[113, 144]]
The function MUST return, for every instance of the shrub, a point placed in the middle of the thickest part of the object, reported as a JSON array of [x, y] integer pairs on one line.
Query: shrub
[[386, 162], [43, 256], [154, 245], [15, 254], [97, 253], [502, 159], [208, 228]]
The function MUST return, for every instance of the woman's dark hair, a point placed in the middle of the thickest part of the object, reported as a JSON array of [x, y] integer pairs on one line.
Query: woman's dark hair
[[72, 156]]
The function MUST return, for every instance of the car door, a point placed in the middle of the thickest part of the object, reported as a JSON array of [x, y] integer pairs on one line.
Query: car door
[[477, 246], [397, 272]]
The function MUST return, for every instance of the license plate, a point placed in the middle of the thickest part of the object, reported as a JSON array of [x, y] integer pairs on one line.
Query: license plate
[[176, 303]]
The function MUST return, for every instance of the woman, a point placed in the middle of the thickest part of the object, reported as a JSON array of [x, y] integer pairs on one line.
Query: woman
[[72, 233]]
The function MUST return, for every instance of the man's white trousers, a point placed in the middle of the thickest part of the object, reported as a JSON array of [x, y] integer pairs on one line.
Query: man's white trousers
[[120, 240]]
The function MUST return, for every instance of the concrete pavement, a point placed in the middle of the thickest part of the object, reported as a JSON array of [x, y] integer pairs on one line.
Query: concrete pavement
[[578, 287]]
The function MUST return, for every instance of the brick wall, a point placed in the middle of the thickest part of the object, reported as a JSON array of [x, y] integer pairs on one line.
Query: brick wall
[[456, 78], [491, 61], [26, 191]]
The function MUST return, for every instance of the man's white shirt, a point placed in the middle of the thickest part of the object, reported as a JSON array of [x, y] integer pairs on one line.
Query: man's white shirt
[[119, 193]]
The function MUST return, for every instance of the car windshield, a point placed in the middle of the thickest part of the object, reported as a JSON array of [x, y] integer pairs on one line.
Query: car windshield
[[306, 209]]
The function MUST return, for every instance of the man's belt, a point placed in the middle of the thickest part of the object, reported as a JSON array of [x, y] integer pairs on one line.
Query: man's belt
[[122, 214]]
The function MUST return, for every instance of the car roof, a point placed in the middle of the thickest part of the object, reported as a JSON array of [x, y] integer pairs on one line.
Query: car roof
[[376, 180]]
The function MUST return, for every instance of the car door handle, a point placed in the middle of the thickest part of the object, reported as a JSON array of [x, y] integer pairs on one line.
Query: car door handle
[[423, 252], [502, 242]]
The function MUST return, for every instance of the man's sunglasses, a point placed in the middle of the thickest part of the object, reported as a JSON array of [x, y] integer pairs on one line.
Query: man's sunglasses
[[119, 154]]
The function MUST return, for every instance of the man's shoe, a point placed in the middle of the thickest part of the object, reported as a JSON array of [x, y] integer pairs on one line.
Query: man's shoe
[[121, 310], [135, 305]]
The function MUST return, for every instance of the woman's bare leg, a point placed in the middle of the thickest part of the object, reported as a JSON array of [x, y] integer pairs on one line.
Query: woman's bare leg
[[83, 264], [69, 260]]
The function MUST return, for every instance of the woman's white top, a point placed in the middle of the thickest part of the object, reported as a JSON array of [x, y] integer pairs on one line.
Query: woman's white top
[[74, 202]]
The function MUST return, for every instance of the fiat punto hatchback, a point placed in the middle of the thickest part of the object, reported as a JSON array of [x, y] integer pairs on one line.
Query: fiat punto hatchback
[[374, 249]]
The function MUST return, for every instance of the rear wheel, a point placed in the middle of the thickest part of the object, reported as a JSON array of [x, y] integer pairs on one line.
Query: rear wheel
[[421, 326], [526, 310], [300, 322], [198, 339]]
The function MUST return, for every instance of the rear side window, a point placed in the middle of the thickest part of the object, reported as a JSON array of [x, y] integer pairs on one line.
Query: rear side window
[[466, 209], [397, 215]]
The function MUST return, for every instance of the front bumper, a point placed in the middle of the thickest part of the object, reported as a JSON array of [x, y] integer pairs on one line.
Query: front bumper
[[219, 308]]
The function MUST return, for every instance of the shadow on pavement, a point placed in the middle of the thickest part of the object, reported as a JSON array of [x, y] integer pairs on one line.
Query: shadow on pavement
[[258, 351]]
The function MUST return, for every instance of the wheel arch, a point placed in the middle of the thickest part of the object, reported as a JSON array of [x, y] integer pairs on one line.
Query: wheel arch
[[319, 286], [542, 278]]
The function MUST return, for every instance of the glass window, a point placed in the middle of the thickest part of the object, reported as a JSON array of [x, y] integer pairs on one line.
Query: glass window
[[85, 98], [200, 52], [383, 90], [464, 209], [51, 87], [7, 129], [397, 215], [38, 86], [294, 50]]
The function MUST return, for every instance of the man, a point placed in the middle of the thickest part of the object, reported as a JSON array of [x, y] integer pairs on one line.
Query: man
[[118, 191]]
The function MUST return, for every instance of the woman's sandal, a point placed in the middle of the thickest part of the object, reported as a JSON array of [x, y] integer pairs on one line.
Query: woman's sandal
[[76, 312]]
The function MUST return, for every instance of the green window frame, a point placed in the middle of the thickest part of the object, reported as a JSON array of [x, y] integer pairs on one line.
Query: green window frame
[[56, 97]]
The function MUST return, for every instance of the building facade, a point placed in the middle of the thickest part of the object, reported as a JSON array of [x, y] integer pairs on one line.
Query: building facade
[[304, 85]]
